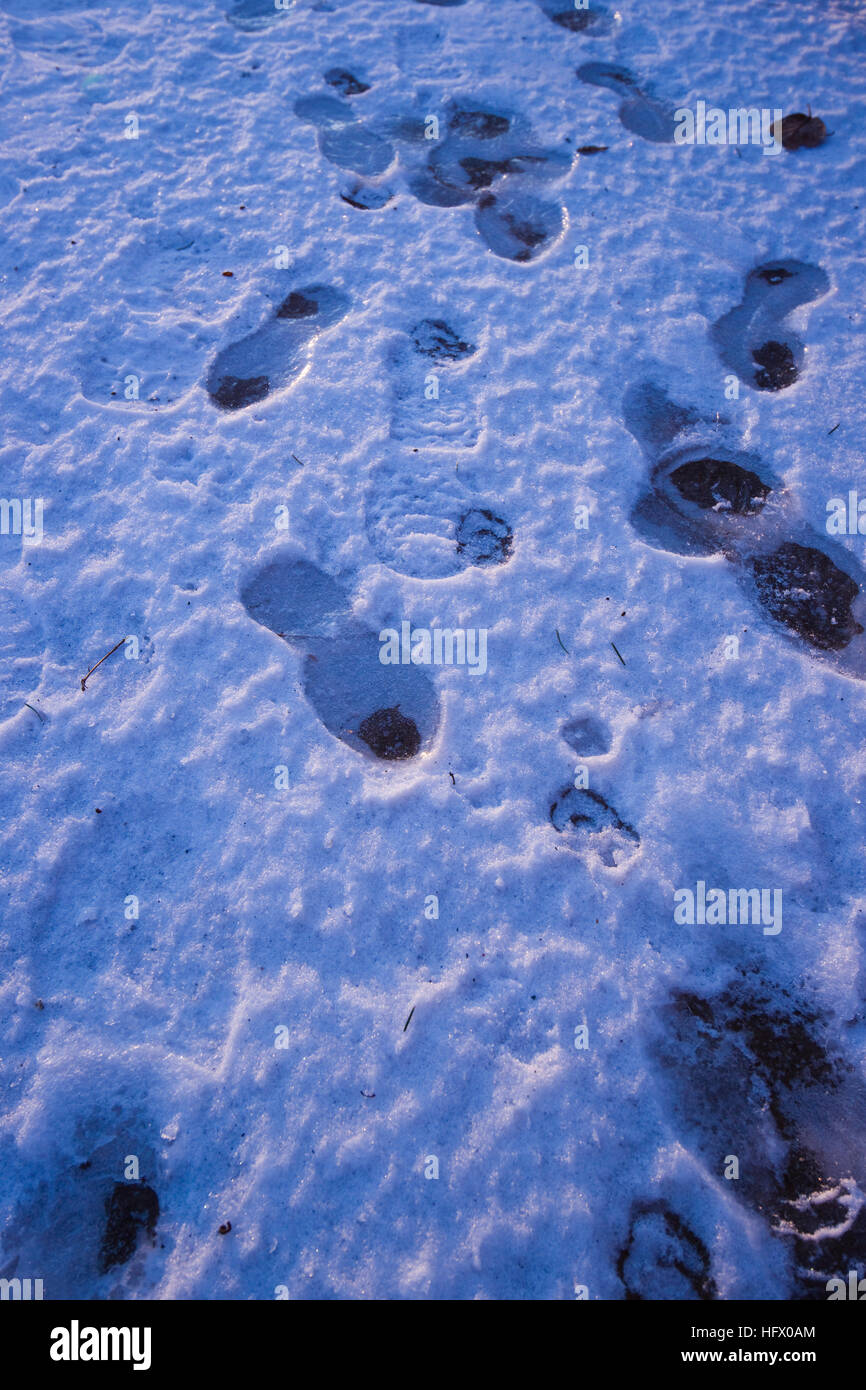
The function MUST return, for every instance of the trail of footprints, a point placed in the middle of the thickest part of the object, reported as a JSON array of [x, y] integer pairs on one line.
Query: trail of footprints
[[706, 496], [487, 158]]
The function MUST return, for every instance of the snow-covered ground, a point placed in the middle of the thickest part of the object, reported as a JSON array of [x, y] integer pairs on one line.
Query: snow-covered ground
[[252, 407]]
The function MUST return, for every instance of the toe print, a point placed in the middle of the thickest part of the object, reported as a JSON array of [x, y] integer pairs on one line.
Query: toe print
[[753, 339], [389, 712], [268, 359], [720, 485], [390, 734], [434, 338]]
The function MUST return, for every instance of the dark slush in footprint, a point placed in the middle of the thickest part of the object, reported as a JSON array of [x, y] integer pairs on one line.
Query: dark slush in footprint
[[483, 538], [390, 712], [753, 339], [801, 588], [268, 359], [345, 82], [133, 1210], [434, 338]]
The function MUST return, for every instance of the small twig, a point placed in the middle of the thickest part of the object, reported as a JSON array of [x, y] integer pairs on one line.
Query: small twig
[[409, 1019], [834, 429], [297, 460], [617, 653], [99, 663], [453, 779], [560, 641], [35, 711]]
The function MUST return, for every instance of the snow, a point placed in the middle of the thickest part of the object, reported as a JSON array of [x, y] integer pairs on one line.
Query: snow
[[295, 899]]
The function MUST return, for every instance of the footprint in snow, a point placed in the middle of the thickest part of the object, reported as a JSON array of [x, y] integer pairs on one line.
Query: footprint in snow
[[705, 497], [489, 158], [663, 1258], [593, 21], [518, 225], [431, 389], [251, 15], [704, 494], [588, 735], [753, 340], [423, 518], [390, 712], [591, 826], [266, 360], [639, 111], [342, 139], [80, 1222]]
